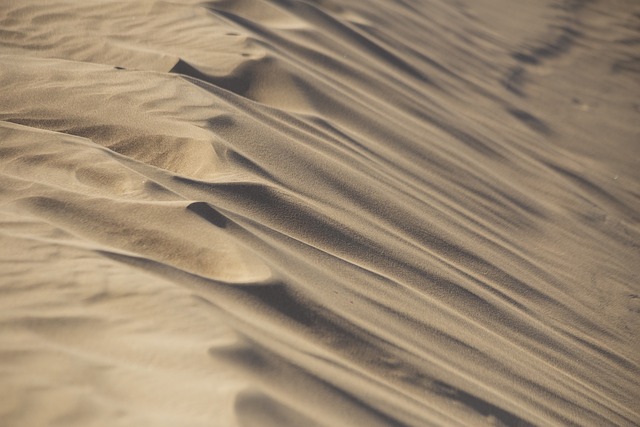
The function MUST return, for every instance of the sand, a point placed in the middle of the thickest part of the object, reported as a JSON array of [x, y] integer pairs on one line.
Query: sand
[[319, 213]]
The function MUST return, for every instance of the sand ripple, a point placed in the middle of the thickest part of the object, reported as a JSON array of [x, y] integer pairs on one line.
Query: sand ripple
[[319, 213]]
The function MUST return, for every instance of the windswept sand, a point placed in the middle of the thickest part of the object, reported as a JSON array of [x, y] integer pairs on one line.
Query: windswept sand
[[319, 213]]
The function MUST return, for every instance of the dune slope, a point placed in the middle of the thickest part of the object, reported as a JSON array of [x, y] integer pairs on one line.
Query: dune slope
[[319, 213]]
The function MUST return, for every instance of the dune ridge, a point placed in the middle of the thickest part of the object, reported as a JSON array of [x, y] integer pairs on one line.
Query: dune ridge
[[319, 213]]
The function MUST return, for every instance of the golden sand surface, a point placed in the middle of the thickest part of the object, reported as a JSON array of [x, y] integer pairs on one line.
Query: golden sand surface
[[319, 213]]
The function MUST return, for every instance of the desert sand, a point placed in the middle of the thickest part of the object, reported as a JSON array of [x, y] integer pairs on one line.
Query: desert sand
[[319, 213]]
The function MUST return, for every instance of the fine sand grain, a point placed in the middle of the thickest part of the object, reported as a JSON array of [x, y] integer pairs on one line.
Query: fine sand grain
[[319, 213]]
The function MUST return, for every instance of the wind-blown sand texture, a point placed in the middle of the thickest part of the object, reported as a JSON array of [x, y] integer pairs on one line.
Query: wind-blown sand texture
[[319, 213]]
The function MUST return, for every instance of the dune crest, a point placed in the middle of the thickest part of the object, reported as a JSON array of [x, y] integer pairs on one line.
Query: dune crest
[[319, 213]]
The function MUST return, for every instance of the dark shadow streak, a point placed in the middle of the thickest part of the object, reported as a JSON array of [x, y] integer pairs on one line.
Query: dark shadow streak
[[530, 121], [209, 214], [479, 405]]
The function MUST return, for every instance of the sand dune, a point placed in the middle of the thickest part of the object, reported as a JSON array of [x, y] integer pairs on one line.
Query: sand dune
[[319, 213]]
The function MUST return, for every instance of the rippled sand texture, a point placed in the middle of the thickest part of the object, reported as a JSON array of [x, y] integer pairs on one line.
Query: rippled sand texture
[[319, 213]]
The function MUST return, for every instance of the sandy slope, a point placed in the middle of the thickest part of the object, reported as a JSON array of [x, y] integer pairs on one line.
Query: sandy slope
[[319, 213]]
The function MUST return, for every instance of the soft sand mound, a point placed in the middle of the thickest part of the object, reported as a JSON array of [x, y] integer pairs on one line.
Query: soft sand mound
[[319, 213]]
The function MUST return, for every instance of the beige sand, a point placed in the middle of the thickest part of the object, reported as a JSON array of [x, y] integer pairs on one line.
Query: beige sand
[[319, 213]]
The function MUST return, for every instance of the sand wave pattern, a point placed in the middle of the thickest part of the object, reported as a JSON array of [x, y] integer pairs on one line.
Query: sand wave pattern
[[319, 213]]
